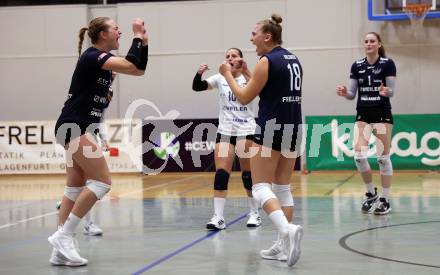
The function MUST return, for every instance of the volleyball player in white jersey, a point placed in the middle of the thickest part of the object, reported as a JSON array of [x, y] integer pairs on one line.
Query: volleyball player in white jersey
[[234, 137]]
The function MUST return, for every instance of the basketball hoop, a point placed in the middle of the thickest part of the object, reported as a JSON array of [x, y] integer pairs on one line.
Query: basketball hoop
[[416, 14]]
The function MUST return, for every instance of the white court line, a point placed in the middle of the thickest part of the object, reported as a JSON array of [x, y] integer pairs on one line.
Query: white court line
[[26, 220], [105, 199]]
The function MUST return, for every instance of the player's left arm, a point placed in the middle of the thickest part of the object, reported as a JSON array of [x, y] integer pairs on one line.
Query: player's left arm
[[388, 89]]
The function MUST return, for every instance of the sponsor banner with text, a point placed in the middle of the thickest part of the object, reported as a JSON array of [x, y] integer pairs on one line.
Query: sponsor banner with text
[[415, 143], [183, 145], [179, 145], [29, 147]]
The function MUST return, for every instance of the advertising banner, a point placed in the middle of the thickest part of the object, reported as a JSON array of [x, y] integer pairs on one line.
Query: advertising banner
[[415, 143], [29, 147], [179, 145]]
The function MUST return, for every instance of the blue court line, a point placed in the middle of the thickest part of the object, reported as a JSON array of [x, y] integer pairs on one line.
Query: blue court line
[[185, 247], [6, 248]]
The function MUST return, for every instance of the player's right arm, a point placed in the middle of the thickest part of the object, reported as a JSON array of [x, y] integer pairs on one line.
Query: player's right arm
[[350, 93], [198, 84], [135, 62], [121, 65]]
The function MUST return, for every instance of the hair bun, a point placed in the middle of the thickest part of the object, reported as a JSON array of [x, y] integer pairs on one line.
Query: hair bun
[[276, 18]]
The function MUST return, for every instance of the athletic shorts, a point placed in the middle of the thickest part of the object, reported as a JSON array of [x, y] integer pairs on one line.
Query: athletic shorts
[[374, 115], [231, 139], [70, 131], [279, 142]]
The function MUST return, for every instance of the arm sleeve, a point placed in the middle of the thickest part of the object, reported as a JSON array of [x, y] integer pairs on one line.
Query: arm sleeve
[[352, 89], [134, 53], [199, 84], [390, 74], [144, 57], [390, 82]]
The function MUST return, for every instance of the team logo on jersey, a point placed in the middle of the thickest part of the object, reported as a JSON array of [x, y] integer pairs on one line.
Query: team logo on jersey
[[377, 71], [101, 56], [167, 146], [102, 81], [100, 99]]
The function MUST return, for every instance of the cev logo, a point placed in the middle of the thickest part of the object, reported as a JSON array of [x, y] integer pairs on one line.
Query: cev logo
[[166, 146]]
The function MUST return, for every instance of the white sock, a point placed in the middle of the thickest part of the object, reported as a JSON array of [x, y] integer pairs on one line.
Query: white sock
[[219, 206], [71, 223], [88, 217], [280, 221], [385, 193], [253, 205], [370, 187]]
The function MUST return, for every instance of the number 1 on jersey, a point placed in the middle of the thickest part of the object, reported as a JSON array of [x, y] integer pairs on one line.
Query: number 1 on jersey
[[294, 68]]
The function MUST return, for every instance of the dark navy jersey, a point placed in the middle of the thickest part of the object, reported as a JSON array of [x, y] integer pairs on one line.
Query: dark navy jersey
[[369, 78], [281, 96], [89, 89]]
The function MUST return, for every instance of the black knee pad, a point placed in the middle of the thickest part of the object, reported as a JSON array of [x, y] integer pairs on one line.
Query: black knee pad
[[221, 180], [247, 180]]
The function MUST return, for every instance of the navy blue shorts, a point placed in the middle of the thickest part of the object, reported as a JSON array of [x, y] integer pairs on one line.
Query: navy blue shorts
[[279, 142], [231, 139], [65, 131]]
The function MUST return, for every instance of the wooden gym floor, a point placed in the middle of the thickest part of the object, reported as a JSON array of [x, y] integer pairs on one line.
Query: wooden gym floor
[[156, 225]]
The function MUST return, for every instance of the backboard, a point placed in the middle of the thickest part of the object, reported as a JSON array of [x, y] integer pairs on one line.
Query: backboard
[[391, 10]]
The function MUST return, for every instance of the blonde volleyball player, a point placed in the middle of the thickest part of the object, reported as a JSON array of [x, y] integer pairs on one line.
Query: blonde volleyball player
[[88, 176], [277, 80], [90, 226]]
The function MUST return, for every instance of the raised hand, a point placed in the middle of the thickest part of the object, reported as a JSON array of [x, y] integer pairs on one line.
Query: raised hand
[[240, 64], [138, 28], [202, 69], [341, 90], [145, 37], [243, 68], [224, 68]]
